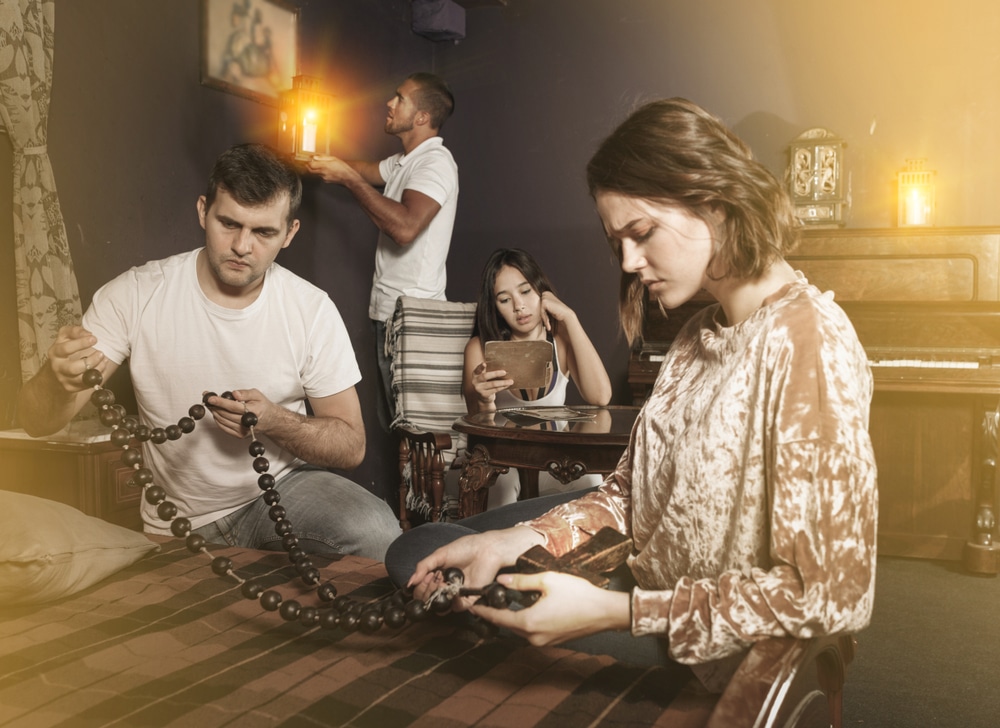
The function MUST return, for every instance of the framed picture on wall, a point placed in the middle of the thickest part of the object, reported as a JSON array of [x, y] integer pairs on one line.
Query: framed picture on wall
[[249, 47]]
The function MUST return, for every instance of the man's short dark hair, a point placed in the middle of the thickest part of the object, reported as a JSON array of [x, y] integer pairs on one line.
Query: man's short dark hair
[[434, 97], [255, 174]]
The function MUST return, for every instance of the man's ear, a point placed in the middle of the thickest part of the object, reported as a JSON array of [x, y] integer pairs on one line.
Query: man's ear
[[292, 229], [202, 210]]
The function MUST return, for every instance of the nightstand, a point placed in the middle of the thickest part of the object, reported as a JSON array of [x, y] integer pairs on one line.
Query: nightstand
[[77, 465]]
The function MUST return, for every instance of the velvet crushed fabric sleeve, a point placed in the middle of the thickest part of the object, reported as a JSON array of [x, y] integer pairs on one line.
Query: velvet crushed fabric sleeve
[[571, 524]]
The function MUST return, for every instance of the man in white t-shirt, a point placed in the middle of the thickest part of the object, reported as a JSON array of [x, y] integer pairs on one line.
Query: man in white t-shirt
[[227, 318], [415, 212]]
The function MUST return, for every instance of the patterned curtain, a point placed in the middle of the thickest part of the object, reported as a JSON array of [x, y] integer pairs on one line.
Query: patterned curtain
[[47, 293]]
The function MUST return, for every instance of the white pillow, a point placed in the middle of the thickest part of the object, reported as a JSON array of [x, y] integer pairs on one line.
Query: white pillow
[[50, 550]]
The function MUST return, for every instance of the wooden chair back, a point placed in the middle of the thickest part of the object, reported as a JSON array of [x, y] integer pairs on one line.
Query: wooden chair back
[[426, 342]]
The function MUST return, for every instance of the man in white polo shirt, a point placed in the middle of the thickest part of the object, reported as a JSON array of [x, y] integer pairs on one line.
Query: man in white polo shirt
[[415, 212]]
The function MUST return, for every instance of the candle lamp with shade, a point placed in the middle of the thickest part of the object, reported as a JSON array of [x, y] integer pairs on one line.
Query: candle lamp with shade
[[304, 119], [916, 194]]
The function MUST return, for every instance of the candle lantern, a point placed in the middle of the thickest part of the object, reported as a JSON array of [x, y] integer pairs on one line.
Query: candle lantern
[[916, 194], [816, 178], [304, 119]]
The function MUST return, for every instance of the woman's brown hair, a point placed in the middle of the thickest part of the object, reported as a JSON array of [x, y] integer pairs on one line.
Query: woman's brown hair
[[673, 151]]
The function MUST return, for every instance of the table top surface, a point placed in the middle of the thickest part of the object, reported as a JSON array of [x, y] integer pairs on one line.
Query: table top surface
[[585, 424]]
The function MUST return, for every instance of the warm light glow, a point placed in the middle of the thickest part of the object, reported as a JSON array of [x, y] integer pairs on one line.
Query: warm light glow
[[916, 207], [304, 119], [916, 195], [309, 127]]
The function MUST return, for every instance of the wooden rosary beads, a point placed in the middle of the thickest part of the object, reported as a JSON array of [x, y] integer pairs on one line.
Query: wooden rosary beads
[[342, 611]]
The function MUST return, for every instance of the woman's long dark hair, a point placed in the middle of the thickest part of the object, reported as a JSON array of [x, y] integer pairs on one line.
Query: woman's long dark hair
[[490, 325]]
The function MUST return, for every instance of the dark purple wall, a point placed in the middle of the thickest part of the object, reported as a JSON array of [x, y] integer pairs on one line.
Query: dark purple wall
[[538, 84]]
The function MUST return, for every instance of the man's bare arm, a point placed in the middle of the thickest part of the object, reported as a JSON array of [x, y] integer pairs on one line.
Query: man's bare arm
[[50, 399], [332, 437], [402, 221]]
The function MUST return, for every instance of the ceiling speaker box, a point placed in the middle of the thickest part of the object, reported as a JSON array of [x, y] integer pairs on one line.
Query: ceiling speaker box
[[438, 19]]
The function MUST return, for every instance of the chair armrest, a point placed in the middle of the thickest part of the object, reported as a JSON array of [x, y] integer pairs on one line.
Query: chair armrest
[[439, 440], [787, 682]]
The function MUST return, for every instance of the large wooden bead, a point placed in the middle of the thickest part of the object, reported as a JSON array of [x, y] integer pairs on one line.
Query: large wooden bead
[[110, 417], [415, 610], [221, 565], [394, 617], [496, 596], [93, 378], [166, 511], [309, 616], [369, 621], [453, 575], [270, 600], [441, 603], [251, 589], [102, 398], [155, 494], [180, 527], [290, 610]]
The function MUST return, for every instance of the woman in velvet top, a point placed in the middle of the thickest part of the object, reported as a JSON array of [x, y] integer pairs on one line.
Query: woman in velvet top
[[749, 484]]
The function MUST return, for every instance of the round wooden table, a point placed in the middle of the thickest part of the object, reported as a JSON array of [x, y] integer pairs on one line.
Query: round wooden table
[[566, 442]]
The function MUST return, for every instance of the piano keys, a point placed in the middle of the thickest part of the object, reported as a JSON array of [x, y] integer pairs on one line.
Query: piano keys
[[926, 306]]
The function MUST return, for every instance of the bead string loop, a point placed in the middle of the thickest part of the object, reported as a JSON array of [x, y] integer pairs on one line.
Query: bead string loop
[[393, 610]]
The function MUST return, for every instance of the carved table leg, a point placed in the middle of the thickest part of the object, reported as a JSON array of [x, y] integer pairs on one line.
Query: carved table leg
[[478, 474], [528, 478], [980, 554]]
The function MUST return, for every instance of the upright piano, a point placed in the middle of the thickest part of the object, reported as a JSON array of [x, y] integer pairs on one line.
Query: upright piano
[[926, 306]]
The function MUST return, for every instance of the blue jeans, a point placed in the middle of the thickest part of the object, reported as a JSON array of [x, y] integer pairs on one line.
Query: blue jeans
[[404, 553], [330, 514], [385, 400]]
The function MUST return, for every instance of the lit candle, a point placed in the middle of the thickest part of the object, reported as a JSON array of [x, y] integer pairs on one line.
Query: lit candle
[[309, 132], [916, 209]]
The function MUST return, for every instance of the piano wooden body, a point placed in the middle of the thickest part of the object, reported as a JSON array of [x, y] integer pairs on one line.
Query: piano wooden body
[[926, 306]]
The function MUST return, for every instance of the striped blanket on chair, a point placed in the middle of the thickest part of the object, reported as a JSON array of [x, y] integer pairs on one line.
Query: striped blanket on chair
[[426, 342]]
